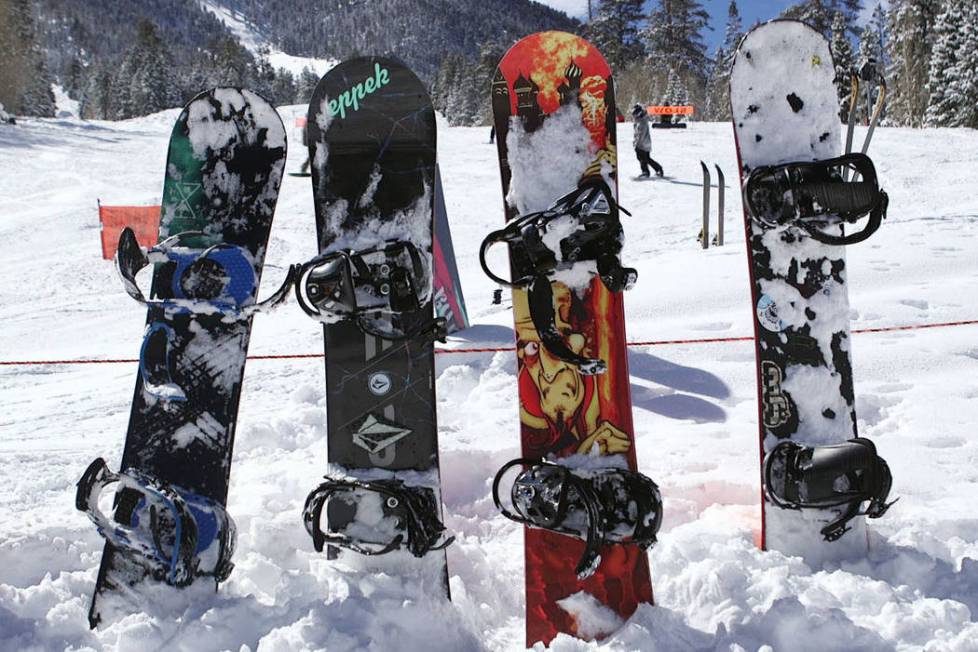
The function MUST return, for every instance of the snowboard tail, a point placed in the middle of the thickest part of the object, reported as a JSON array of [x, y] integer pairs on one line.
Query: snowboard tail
[[224, 166], [553, 110]]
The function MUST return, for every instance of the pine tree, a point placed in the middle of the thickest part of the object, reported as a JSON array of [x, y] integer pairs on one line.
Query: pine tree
[[616, 31], [909, 48], [879, 24], [150, 83], [964, 83], [813, 13], [842, 55], [734, 29], [25, 83], [717, 105], [869, 67], [673, 36], [959, 107], [305, 85], [96, 102]]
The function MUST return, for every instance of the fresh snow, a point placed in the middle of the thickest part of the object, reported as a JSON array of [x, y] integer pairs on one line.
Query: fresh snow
[[694, 404]]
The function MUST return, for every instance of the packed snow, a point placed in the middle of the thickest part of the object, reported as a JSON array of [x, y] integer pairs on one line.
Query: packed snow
[[695, 414]]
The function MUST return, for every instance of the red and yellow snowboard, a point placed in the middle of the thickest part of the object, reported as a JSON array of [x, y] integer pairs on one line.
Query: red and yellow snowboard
[[554, 115]]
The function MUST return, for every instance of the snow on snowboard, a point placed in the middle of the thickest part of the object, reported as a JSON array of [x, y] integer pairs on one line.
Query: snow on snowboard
[[168, 524], [591, 516], [816, 472], [372, 147]]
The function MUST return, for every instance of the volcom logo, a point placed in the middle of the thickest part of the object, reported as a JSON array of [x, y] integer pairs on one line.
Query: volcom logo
[[375, 434], [777, 410], [379, 383], [350, 99]]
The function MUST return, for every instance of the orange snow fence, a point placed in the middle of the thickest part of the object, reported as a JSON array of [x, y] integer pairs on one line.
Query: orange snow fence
[[143, 220], [670, 110], [300, 122]]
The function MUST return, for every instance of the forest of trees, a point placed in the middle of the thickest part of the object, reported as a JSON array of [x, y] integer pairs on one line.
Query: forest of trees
[[123, 59], [926, 49]]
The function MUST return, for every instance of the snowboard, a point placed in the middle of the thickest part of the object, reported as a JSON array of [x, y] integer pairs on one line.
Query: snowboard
[[785, 109], [372, 143], [224, 166], [554, 115]]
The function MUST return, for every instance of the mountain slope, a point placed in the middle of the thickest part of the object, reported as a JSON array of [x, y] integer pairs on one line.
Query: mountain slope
[[421, 32]]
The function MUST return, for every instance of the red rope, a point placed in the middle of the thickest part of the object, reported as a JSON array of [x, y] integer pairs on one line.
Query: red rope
[[491, 349]]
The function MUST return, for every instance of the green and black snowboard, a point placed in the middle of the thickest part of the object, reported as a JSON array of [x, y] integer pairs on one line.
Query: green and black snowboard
[[168, 526]]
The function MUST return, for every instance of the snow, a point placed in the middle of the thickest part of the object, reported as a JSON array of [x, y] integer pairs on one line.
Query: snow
[[66, 107], [694, 404], [250, 37]]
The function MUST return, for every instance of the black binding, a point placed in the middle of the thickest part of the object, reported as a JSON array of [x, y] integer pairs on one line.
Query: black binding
[[415, 509], [384, 290], [597, 237], [816, 194], [821, 477], [545, 494]]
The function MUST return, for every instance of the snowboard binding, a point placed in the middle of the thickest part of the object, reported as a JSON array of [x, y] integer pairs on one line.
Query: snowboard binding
[[408, 517], [820, 477], [384, 290], [198, 280], [197, 276], [600, 506], [175, 534], [818, 194], [583, 226]]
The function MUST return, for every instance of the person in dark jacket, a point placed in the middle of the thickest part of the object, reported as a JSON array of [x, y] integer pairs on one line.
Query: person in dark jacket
[[642, 141]]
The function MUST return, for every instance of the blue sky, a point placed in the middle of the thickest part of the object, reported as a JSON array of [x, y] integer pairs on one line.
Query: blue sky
[[750, 11]]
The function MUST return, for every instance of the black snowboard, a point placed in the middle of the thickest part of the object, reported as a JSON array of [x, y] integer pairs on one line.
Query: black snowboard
[[224, 166], [371, 130]]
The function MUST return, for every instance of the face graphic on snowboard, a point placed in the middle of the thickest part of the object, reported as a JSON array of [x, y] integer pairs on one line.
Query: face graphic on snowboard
[[560, 384]]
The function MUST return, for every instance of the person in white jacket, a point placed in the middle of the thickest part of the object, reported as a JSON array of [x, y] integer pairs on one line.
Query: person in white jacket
[[642, 141]]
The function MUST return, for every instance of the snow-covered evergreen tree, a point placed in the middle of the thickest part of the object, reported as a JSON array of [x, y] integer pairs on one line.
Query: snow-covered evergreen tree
[[868, 63], [964, 82], [148, 70], [674, 36], [878, 22], [96, 98], [717, 105], [911, 39], [305, 85], [943, 103], [820, 14], [25, 83], [733, 30], [616, 30], [842, 56], [812, 12]]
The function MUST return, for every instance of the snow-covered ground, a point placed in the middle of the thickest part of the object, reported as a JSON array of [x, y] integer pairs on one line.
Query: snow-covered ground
[[694, 404]]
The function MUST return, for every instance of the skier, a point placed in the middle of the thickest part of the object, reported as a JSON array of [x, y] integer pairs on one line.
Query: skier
[[643, 142]]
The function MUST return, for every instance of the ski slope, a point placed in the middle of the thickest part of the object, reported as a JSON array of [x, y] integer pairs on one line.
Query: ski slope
[[695, 414], [250, 37]]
